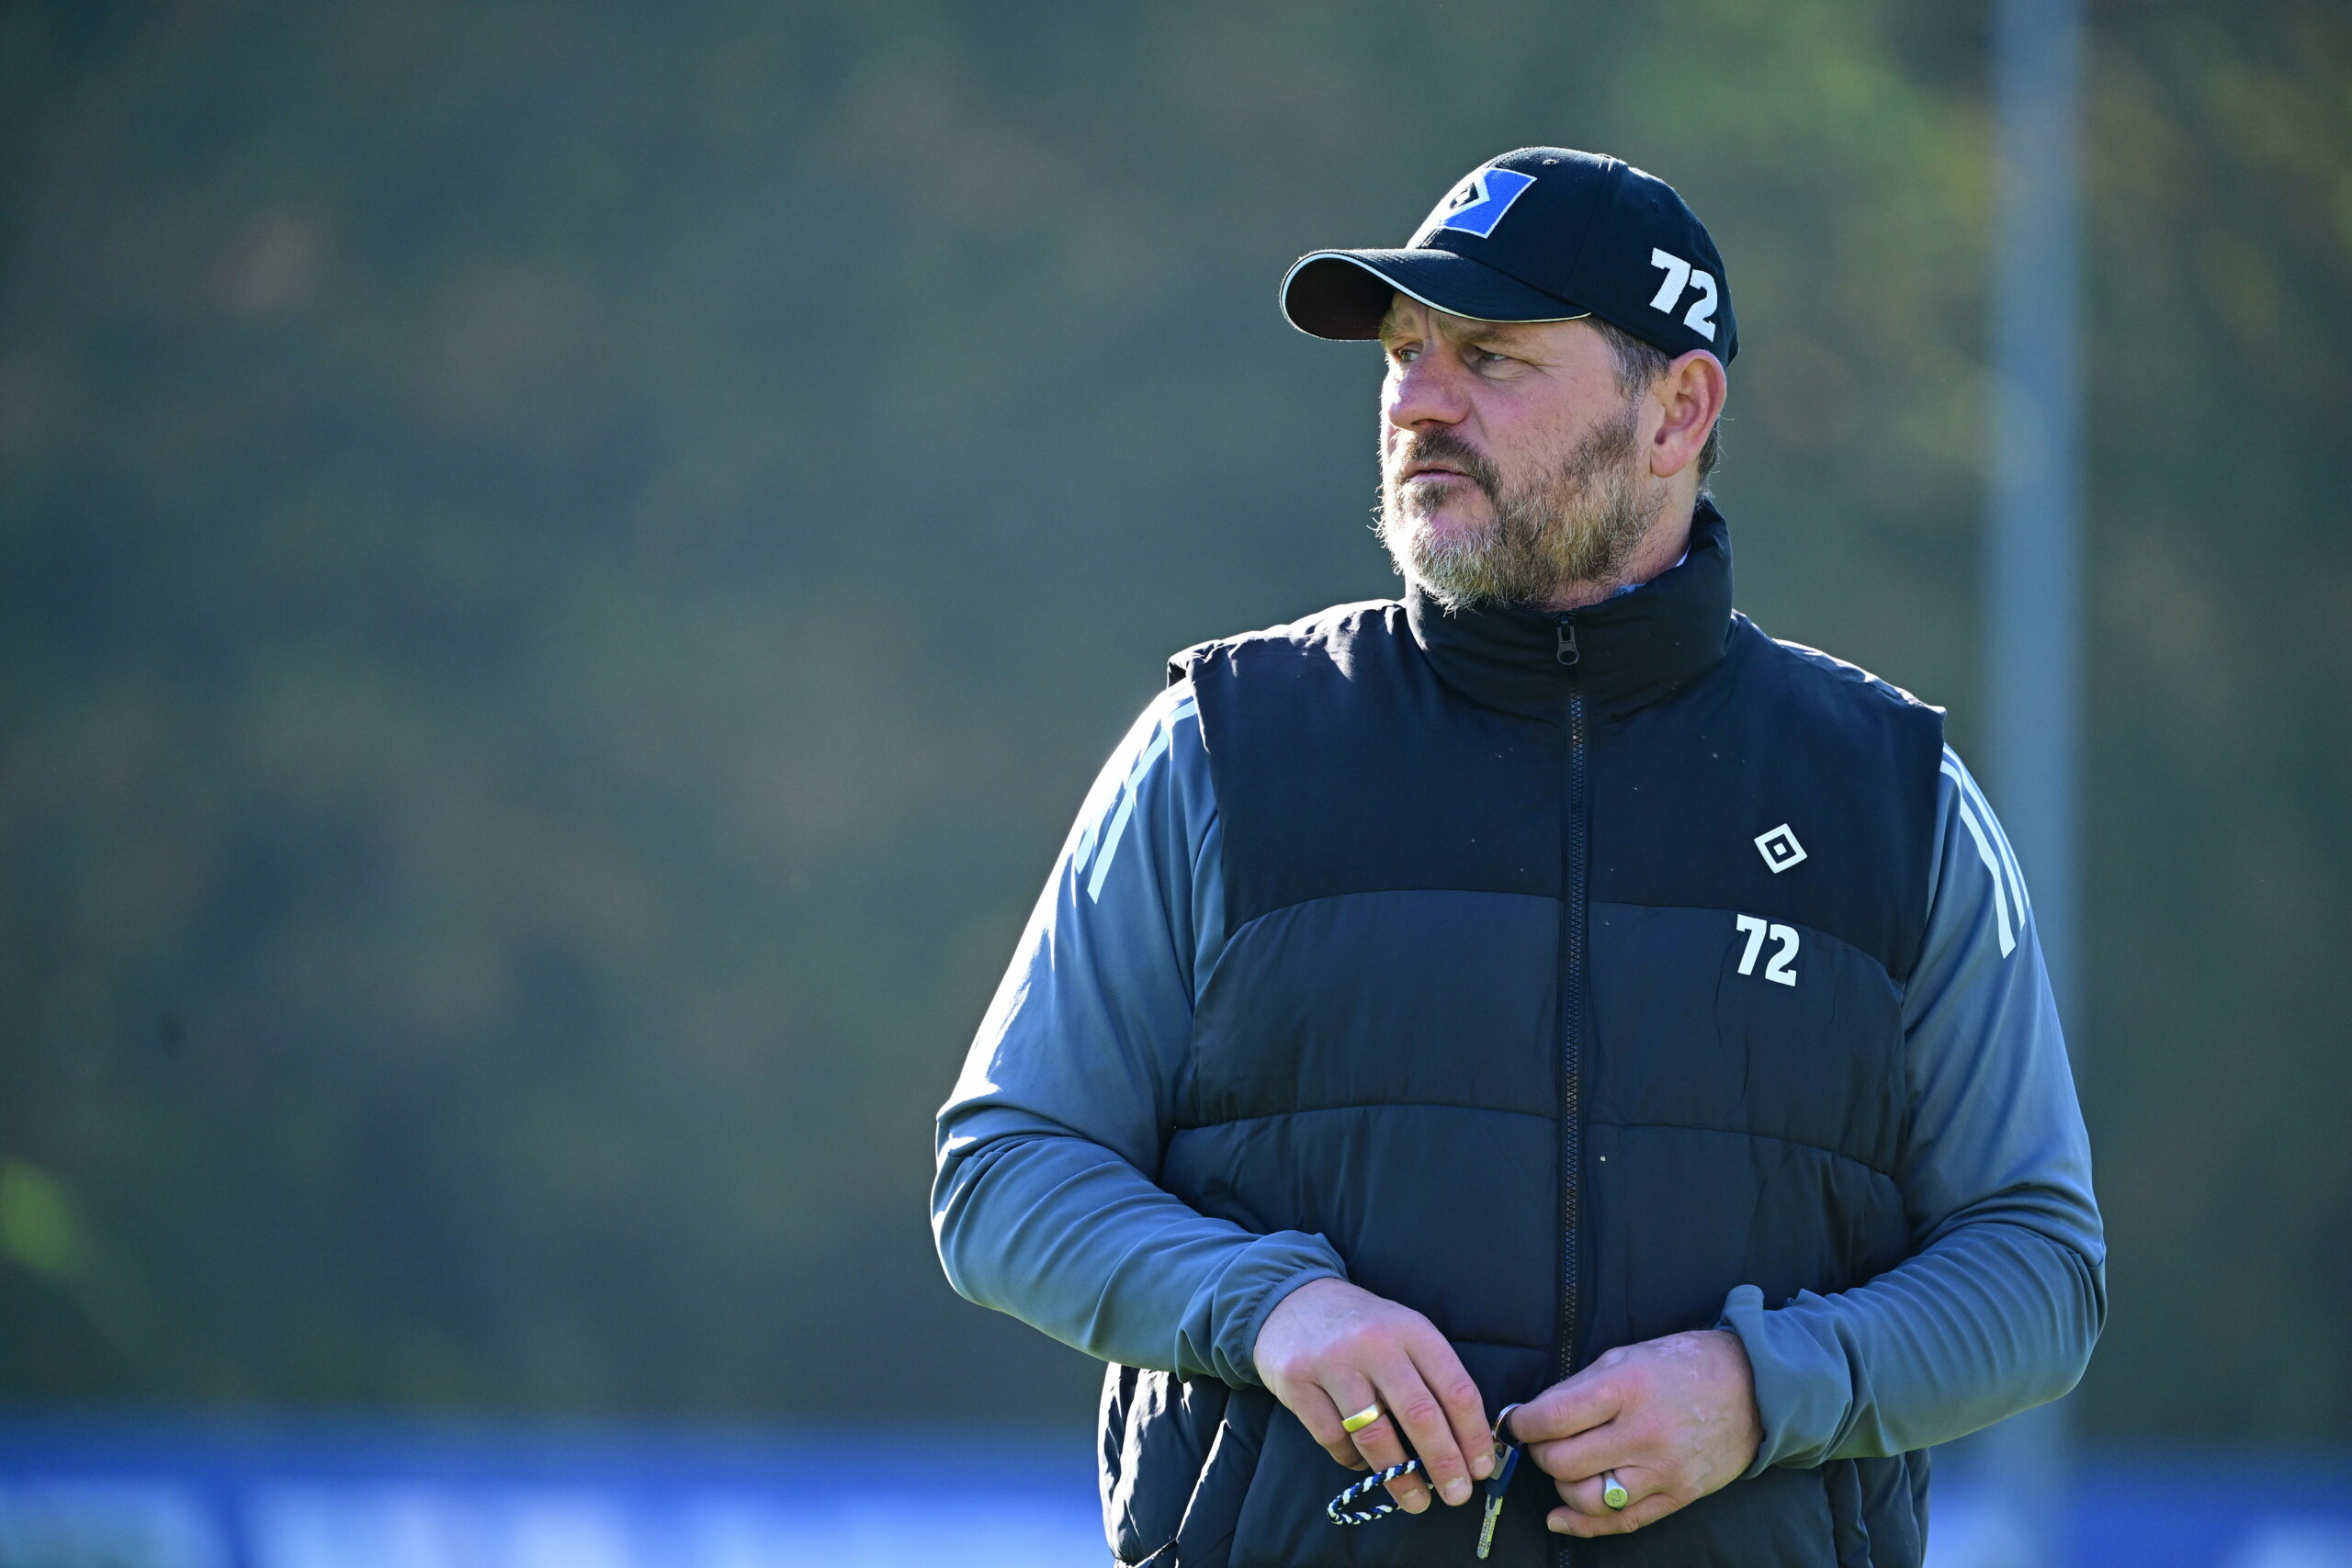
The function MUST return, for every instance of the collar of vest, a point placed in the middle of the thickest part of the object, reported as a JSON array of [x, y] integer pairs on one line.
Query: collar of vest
[[1631, 650]]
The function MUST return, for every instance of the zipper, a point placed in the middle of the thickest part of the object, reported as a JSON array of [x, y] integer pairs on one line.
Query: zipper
[[1574, 866]]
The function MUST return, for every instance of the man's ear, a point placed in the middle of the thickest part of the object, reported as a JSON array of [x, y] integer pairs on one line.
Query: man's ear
[[1690, 396]]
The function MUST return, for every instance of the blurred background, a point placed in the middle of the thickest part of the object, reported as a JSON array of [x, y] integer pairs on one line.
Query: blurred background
[[565, 568]]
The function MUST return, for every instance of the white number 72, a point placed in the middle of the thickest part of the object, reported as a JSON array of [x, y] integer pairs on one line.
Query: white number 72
[[1680, 273], [1778, 970]]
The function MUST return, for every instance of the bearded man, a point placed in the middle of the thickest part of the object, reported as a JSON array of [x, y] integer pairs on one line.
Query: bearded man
[[1543, 1016]]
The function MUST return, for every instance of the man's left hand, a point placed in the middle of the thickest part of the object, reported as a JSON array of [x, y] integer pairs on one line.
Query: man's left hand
[[1673, 1418]]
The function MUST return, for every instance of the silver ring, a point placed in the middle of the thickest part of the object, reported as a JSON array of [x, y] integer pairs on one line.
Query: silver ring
[[1612, 1491]]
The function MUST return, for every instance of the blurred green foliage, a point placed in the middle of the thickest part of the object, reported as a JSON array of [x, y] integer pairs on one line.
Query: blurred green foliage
[[563, 568]]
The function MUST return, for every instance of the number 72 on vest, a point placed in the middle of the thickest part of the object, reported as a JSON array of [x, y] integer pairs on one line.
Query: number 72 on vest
[[1781, 969]]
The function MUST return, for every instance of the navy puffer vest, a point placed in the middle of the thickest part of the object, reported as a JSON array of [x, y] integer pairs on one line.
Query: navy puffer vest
[[1563, 994]]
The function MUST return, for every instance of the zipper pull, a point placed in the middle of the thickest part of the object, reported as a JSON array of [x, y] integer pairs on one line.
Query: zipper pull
[[1566, 653]]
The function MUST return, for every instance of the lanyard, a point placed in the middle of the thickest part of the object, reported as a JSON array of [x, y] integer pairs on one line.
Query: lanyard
[[1341, 1510]]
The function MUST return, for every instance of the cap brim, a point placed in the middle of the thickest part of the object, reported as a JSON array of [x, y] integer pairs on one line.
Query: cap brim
[[1344, 294]]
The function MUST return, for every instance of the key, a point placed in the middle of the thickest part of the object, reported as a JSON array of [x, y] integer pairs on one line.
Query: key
[[1498, 1483]]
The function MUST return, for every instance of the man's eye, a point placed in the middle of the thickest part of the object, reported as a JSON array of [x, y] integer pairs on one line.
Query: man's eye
[[1486, 359]]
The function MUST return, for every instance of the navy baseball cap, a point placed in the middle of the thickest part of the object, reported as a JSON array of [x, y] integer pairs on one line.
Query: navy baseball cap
[[1542, 234]]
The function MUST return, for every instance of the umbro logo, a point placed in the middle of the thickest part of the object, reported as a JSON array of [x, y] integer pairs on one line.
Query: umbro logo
[[1779, 847]]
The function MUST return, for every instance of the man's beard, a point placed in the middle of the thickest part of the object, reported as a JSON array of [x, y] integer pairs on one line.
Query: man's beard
[[1576, 524]]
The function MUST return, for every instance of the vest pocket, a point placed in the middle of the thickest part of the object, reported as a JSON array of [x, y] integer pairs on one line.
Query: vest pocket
[[1848, 1528], [1176, 1460], [1157, 1433], [1205, 1539], [1876, 1508]]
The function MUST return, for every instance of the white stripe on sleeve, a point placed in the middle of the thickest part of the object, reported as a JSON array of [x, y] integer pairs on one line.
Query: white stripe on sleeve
[[2000, 864], [1106, 848]]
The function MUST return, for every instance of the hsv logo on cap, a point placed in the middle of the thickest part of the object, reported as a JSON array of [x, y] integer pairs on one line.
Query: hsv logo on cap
[[1477, 204]]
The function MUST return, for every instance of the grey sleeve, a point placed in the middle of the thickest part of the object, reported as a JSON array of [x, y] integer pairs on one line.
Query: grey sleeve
[[2006, 1292], [1046, 1204]]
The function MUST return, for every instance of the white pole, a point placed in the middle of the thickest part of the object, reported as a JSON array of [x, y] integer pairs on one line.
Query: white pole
[[2034, 599]]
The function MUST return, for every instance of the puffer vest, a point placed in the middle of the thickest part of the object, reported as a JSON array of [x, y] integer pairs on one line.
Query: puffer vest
[[1563, 994]]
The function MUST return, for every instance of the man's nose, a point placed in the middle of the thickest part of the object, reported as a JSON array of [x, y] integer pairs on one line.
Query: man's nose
[[1426, 391]]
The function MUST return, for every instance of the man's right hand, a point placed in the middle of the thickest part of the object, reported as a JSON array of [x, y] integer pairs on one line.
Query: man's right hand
[[1329, 1349]]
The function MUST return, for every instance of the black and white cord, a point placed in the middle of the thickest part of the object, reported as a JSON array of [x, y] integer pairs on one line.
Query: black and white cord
[[1340, 1514]]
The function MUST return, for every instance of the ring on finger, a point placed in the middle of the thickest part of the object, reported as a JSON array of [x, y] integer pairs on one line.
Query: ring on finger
[[1612, 1491], [1360, 1419]]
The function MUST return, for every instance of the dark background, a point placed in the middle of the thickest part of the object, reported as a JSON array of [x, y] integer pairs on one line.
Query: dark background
[[563, 569]]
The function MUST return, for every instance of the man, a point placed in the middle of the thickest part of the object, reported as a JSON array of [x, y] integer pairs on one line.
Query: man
[[1545, 991]]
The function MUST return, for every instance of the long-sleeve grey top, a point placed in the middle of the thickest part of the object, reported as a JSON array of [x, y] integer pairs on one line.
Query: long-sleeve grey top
[[1046, 1206]]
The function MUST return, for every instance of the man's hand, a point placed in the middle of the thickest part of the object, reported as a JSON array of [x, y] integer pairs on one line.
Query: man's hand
[[1675, 1418], [1330, 1348]]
